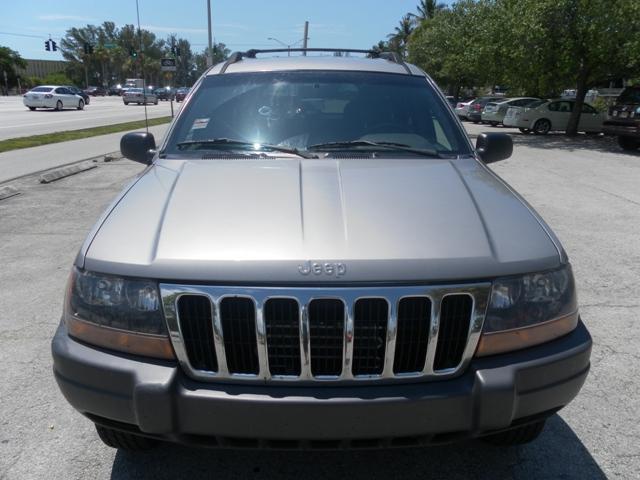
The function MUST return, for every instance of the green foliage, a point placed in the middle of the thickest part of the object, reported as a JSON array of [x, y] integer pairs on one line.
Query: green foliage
[[10, 60], [57, 78], [111, 62]]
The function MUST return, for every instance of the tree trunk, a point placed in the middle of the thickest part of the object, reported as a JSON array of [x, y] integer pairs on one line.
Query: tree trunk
[[581, 92]]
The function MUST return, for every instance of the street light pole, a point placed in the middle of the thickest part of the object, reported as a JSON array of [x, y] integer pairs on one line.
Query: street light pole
[[210, 51], [306, 38], [285, 45]]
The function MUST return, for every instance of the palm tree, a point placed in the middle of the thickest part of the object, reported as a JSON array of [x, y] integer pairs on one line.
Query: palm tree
[[399, 38], [428, 9]]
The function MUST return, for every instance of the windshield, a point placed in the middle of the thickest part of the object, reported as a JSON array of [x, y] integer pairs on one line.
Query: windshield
[[305, 109], [42, 89], [630, 95]]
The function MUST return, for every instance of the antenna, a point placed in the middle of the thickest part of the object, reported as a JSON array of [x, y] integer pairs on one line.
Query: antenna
[[144, 86]]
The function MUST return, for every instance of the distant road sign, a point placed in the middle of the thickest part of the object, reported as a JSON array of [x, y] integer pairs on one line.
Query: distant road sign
[[168, 64]]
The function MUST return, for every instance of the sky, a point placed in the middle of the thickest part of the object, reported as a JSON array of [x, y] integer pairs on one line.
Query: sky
[[240, 24]]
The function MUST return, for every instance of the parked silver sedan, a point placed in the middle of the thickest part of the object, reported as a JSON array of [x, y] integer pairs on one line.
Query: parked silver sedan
[[139, 96], [542, 118], [494, 112]]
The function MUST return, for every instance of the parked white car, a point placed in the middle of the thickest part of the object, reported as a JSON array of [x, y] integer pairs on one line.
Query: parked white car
[[139, 96], [542, 118], [462, 108], [52, 96]]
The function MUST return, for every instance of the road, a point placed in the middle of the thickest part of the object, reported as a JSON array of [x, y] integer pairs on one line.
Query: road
[[18, 121], [586, 189]]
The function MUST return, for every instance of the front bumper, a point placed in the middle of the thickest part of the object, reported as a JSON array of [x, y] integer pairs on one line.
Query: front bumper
[[155, 398]]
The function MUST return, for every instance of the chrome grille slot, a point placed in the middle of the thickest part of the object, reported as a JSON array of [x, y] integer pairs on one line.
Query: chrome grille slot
[[455, 315], [414, 316], [326, 330], [196, 323], [370, 335], [238, 317], [324, 334], [282, 321]]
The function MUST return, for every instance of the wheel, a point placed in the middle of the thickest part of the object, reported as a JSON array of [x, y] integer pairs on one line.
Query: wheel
[[628, 143], [524, 130], [124, 441], [87, 101], [494, 124], [542, 127], [81, 105], [476, 121], [139, 103], [58, 105], [126, 103], [32, 108], [517, 436]]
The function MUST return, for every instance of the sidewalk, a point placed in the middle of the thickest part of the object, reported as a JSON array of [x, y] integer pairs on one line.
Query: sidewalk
[[17, 163]]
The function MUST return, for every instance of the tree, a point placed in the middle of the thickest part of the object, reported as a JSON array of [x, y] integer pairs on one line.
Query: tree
[[400, 37], [428, 8], [10, 60]]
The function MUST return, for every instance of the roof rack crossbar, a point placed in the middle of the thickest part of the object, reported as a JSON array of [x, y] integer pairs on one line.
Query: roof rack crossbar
[[390, 56]]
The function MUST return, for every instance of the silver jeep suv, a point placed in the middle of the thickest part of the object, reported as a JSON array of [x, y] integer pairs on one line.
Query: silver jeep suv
[[317, 257]]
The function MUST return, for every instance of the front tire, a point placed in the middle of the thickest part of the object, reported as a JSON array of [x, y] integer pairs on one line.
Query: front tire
[[517, 436], [124, 441], [494, 124], [126, 103], [156, 102], [526, 131], [32, 108], [58, 105], [542, 127], [81, 105], [628, 143]]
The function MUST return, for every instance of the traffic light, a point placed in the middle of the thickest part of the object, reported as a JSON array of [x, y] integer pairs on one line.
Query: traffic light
[[175, 50], [47, 47], [88, 49], [54, 46]]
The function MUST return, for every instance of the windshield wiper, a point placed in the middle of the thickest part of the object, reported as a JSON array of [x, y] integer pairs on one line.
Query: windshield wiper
[[367, 143], [212, 142]]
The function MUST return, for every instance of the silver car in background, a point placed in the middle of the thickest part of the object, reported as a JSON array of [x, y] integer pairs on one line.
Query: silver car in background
[[544, 116], [52, 96], [139, 96], [494, 112], [462, 108]]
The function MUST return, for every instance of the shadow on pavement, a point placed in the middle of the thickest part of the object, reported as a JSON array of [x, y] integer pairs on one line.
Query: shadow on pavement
[[558, 453], [558, 140]]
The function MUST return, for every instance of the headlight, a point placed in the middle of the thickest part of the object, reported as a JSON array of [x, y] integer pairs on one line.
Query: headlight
[[528, 310], [118, 313]]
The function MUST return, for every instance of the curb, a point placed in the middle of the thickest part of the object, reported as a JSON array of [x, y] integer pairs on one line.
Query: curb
[[8, 191], [63, 172]]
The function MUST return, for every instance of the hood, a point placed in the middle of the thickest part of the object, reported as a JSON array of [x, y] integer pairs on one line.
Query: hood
[[328, 220]]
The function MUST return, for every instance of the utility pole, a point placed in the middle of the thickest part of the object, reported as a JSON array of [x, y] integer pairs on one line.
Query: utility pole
[[306, 38], [210, 50]]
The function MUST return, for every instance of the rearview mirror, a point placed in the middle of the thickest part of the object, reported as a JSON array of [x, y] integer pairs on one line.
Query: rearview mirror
[[138, 146], [493, 147]]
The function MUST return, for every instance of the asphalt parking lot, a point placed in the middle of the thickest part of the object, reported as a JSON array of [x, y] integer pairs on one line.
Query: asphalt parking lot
[[585, 188], [16, 120]]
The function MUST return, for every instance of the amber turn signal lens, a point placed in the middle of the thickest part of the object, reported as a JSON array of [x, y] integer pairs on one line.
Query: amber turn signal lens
[[519, 338], [156, 346]]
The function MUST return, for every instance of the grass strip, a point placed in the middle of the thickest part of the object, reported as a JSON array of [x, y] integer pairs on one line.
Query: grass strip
[[56, 137]]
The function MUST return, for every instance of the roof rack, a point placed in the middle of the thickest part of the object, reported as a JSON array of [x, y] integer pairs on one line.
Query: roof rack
[[390, 56]]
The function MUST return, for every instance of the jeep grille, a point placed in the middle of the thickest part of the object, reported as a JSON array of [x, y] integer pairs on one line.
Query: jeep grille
[[324, 334]]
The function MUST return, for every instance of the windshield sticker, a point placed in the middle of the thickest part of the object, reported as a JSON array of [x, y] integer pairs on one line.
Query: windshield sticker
[[199, 123]]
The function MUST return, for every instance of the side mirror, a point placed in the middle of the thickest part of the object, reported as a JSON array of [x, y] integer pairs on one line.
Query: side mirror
[[493, 147], [138, 146]]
